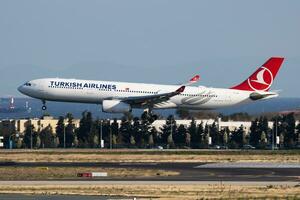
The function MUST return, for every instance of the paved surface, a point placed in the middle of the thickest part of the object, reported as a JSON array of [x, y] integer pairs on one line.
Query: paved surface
[[250, 165], [111, 182], [245, 172], [190, 173]]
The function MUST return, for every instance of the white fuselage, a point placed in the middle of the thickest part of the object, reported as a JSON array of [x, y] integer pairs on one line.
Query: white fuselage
[[88, 91]]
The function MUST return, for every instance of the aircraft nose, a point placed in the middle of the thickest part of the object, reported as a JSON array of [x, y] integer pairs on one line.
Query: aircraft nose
[[21, 89]]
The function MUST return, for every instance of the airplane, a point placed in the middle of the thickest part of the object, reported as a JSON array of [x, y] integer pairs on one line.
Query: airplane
[[121, 97]]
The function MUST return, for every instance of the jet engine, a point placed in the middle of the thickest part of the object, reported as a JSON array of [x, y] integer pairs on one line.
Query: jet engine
[[115, 106]]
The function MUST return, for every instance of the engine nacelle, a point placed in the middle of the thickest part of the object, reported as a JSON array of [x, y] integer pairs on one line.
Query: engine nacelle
[[115, 106]]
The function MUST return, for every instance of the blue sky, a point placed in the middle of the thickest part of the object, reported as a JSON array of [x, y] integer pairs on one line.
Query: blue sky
[[159, 41]]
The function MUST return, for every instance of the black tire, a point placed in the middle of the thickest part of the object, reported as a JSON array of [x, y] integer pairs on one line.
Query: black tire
[[155, 117]]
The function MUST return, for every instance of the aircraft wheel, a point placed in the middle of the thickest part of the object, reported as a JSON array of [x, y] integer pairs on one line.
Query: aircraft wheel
[[155, 117]]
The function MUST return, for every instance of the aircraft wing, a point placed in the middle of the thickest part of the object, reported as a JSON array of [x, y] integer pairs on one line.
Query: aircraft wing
[[160, 97], [152, 99]]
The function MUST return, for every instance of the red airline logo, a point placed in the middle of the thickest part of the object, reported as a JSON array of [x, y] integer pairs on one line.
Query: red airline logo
[[261, 80], [195, 78]]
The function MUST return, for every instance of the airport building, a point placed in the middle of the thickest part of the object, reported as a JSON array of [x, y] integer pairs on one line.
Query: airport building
[[39, 124], [19, 125]]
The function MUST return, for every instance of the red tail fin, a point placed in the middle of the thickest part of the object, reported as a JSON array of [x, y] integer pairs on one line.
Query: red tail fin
[[262, 79]]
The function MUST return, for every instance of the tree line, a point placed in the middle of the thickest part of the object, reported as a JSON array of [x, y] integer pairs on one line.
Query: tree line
[[138, 132]]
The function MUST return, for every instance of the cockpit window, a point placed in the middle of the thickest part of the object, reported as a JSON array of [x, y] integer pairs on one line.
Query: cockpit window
[[27, 84]]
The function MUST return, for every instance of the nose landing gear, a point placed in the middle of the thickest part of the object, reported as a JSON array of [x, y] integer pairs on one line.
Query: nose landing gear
[[44, 107]]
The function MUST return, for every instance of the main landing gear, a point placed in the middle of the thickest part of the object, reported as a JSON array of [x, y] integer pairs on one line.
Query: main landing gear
[[153, 117], [44, 107], [149, 114]]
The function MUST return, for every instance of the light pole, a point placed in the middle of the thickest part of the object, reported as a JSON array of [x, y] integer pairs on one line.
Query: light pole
[[101, 146], [110, 133], [172, 128], [273, 132], [30, 135], [274, 137], [110, 139], [64, 136], [276, 131]]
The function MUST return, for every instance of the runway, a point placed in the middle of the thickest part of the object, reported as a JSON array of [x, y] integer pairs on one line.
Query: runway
[[206, 172]]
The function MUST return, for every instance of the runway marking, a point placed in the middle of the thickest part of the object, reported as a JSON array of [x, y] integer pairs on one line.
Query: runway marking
[[249, 165], [137, 164]]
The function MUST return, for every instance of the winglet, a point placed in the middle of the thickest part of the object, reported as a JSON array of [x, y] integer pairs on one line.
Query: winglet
[[191, 81], [194, 79], [180, 90]]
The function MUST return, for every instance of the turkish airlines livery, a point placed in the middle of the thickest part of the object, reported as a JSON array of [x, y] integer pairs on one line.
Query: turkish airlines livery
[[119, 97]]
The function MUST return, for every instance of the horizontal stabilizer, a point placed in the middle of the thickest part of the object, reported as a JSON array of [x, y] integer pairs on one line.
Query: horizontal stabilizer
[[265, 95]]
